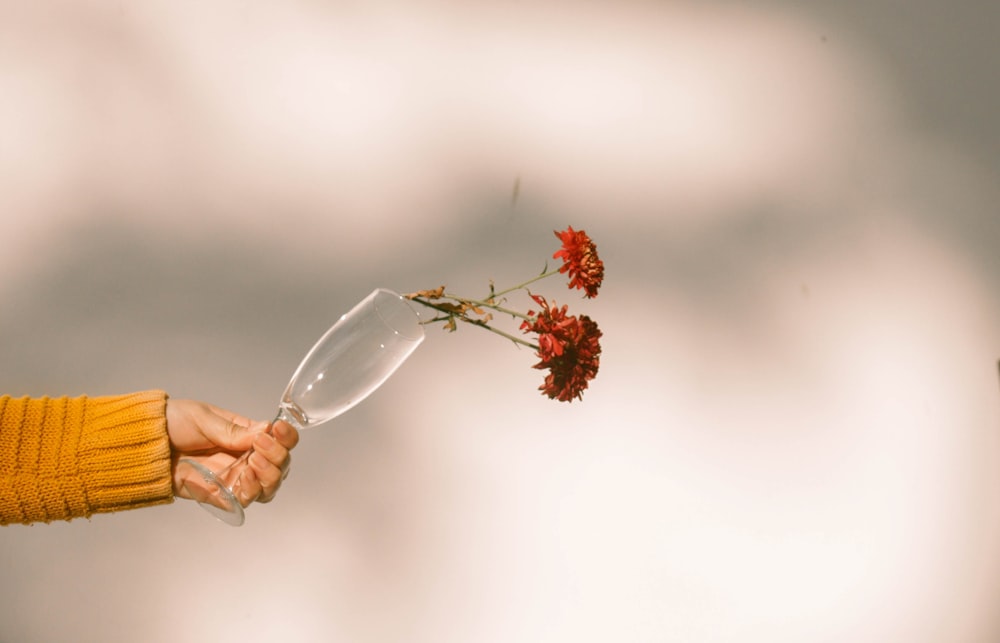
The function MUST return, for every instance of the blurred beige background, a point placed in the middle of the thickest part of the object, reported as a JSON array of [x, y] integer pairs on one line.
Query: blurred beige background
[[794, 434]]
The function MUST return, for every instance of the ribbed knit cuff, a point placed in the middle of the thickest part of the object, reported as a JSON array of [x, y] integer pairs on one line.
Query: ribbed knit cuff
[[73, 457]]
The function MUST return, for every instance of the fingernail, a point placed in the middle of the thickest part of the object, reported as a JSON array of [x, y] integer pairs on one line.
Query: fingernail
[[264, 441]]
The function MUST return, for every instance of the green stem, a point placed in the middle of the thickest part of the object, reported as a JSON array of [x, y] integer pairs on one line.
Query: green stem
[[479, 303], [475, 322], [485, 304], [526, 283], [497, 331]]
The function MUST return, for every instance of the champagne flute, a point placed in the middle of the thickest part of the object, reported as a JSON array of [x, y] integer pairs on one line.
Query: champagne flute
[[352, 359]]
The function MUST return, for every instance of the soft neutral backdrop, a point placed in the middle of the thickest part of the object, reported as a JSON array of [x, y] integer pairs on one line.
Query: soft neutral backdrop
[[794, 434]]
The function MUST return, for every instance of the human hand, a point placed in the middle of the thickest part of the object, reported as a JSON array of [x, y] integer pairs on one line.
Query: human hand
[[216, 438]]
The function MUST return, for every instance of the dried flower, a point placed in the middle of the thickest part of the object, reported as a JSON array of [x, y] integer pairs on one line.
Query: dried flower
[[580, 260], [567, 345]]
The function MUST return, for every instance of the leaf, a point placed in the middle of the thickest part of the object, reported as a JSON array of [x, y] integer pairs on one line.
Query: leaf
[[436, 293], [454, 309]]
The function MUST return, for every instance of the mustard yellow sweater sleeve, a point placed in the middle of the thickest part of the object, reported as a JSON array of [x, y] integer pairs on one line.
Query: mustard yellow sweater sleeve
[[64, 458]]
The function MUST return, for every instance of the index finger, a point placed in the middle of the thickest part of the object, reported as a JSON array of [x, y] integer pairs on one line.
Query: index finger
[[285, 434]]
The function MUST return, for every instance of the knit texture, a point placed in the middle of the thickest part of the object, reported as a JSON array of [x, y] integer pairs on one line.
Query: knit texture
[[64, 458]]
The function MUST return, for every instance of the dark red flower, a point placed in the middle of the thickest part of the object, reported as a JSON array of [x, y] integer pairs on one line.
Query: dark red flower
[[580, 260], [568, 346]]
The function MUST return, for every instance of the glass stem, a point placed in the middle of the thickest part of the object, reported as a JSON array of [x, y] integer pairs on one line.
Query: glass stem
[[243, 461]]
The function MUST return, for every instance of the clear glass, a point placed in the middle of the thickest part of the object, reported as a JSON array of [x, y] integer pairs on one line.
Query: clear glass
[[347, 364]]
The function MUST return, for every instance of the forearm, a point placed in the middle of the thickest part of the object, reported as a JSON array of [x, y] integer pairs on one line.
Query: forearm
[[73, 457]]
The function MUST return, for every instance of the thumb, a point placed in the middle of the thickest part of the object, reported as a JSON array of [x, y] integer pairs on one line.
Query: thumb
[[232, 432]]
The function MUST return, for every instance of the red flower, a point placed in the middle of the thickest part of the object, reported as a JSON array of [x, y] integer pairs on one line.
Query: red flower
[[580, 260], [568, 346]]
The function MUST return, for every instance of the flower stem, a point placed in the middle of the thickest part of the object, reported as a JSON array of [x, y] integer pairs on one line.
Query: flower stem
[[485, 304], [451, 314], [516, 340], [526, 283]]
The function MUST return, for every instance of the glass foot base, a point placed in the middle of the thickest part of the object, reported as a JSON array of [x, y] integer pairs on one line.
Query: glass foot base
[[210, 492]]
